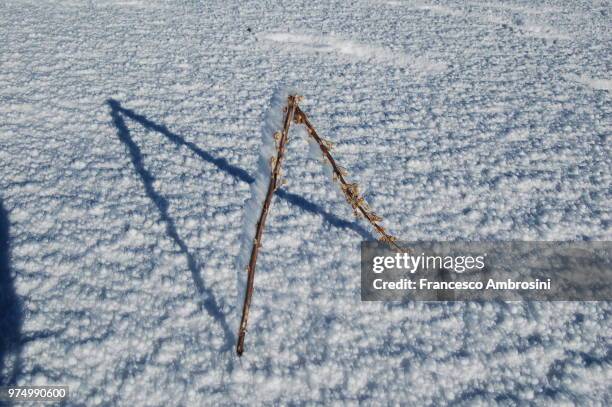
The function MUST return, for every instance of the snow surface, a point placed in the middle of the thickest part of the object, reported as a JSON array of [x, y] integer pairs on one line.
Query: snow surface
[[129, 137]]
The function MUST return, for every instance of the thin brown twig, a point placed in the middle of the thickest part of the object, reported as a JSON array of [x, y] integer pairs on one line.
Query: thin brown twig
[[350, 190], [272, 186]]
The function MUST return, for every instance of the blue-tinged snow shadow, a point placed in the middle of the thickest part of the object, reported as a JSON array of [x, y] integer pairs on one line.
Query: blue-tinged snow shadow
[[208, 302], [10, 309], [239, 173]]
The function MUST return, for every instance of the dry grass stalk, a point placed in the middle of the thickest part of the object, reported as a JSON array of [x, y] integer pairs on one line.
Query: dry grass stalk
[[275, 163], [350, 190]]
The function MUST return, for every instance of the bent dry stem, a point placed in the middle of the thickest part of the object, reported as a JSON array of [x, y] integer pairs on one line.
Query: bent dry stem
[[350, 190], [272, 186]]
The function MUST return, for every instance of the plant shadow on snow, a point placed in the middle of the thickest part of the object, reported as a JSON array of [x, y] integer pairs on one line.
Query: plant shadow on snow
[[209, 302], [239, 173], [10, 309]]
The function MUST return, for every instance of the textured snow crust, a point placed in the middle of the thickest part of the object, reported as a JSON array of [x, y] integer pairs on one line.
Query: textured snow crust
[[130, 135]]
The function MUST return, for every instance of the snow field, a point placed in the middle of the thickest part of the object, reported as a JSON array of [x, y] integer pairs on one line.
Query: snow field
[[130, 135]]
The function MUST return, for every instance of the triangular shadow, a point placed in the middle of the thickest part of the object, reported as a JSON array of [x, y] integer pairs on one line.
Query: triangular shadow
[[209, 302]]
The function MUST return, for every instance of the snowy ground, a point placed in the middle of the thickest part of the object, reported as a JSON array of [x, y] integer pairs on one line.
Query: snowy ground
[[129, 133]]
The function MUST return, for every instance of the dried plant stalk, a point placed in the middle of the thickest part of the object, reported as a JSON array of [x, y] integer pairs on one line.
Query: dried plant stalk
[[350, 191], [275, 164]]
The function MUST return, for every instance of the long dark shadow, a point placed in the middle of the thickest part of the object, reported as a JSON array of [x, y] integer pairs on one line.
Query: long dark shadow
[[10, 310], [209, 303], [238, 172]]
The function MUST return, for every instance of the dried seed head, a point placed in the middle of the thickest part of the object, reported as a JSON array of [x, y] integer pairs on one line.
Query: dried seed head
[[351, 190], [387, 238], [374, 217]]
